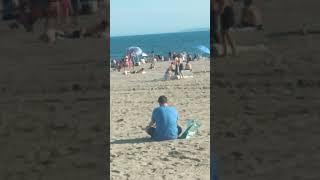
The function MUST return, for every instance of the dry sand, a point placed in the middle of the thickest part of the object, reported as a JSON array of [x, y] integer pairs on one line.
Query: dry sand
[[266, 115], [53, 106], [133, 98]]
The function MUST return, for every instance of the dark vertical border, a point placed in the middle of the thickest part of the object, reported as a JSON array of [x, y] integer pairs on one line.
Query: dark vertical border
[[213, 162], [107, 79]]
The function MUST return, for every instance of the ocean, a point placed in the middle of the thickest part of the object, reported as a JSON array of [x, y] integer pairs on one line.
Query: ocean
[[160, 44]]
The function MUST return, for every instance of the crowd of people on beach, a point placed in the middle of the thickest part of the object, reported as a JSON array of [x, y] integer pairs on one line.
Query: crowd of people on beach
[[224, 21], [174, 71], [59, 18]]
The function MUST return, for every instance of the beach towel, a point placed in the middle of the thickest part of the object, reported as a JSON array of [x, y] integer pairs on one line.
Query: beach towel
[[191, 130]]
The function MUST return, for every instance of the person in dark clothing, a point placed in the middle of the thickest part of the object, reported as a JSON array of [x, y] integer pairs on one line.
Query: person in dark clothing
[[75, 9], [251, 16], [227, 21]]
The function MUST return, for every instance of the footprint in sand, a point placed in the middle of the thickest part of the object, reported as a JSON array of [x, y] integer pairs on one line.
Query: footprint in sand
[[165, 159], [115, 171], [120, 120], [237, 155]]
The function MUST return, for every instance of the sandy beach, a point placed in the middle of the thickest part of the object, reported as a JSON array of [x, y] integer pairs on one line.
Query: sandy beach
[[133, 98], [267, 102], [53, 106]]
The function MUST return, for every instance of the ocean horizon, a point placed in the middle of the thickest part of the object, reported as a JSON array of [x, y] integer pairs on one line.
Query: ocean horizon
[[161, 43]]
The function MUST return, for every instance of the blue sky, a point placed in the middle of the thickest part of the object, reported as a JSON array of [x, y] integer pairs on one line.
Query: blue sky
[[132, 17]]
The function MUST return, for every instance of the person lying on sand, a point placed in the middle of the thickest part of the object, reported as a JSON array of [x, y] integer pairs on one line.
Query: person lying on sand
[[92, 31], [140, 71], [164, 122], [251, 16], [96, 30]]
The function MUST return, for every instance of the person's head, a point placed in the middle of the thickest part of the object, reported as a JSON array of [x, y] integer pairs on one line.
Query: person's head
[[162, 100]]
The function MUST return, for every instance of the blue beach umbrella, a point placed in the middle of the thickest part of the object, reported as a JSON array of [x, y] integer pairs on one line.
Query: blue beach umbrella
[[134, 51], [203, 49]]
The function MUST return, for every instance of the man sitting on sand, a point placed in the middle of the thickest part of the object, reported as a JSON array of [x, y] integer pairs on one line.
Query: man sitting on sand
[[164, 122]]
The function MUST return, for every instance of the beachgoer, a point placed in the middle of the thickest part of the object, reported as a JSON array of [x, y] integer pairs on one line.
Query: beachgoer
[[174, 55], [153, 63], [227, 21], [95, 30], [28, 12], [75, 4], [23, 16], [251, 16], [141, 71], [216, 21], [54, 9], [171, 67], [195, 57], [66, 10], [164, 122], [189, 58], [176, 70], [126, 63], [133, 61], [188, 66], [180, 63], [168, 74]]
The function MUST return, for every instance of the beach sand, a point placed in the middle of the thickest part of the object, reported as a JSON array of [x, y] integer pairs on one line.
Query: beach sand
[[266, 114], [53, 106], [133, 98]]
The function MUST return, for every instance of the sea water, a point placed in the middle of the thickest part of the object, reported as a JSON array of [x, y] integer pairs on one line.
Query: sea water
[[161, 44]]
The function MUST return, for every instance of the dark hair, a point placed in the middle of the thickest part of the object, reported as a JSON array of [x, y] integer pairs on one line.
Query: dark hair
[[162, 99], [247, 2]]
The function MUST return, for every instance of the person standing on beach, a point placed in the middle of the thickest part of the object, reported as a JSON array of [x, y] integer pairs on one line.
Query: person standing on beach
[[216, 21], [66, 10], [176, 70], [180, 64], [251, 16], [75, 9], [227, 21], [164, 122]]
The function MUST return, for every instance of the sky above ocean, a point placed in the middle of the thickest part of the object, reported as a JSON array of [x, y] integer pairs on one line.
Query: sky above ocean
[[138, 17]]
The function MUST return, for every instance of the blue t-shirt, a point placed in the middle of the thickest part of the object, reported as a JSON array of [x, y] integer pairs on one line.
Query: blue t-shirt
[[166, 118]]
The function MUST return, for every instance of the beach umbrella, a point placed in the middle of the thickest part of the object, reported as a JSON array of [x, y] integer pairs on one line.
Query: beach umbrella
[[134, 51], [204, 49], [144, 54]]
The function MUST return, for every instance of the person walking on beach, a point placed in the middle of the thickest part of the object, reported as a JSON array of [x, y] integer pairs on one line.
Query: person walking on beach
[[164, 122], [227, 21]]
